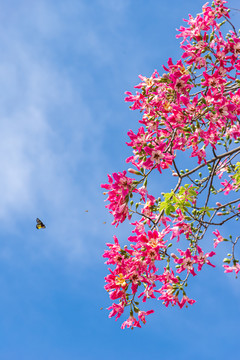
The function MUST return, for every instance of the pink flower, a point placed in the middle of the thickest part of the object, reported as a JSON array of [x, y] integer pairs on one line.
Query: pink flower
[[201, 259], [185, 300], [168, 277], [201, 154], [229, 269], [219, 238], [117, 309], [117, 195], [131, 322], [227, 187], [148, 292], [222, 168], [167, 295], [186, 262], [142, 314]]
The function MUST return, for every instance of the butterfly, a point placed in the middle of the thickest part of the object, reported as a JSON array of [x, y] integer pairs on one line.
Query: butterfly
[[40, 224]]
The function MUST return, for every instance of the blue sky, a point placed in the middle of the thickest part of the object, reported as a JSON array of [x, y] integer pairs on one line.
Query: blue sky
[[64, 68]]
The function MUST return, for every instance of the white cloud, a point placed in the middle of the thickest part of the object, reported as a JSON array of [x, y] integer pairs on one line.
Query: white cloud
[[40, 141], [50, 149]]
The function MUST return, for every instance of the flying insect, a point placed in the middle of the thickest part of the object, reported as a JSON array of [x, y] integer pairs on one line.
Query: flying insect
[[40, 224]]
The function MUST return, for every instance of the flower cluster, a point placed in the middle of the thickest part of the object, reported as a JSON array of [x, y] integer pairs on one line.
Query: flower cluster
[[118, 195], [191, 109]]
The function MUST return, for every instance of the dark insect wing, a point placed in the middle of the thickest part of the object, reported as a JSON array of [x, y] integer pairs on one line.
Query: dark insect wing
[[38, 223]]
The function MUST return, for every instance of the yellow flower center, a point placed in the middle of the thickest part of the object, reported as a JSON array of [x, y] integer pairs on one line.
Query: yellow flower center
[[119, 280]]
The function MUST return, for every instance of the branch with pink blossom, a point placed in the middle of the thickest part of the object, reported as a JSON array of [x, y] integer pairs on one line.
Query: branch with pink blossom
[[189, 114]]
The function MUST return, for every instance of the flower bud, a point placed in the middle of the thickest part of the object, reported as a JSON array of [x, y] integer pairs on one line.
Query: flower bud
[[218, 204], [132, 171]]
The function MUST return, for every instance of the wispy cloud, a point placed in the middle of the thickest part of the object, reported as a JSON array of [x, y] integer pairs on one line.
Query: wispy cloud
[[33, 152]]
